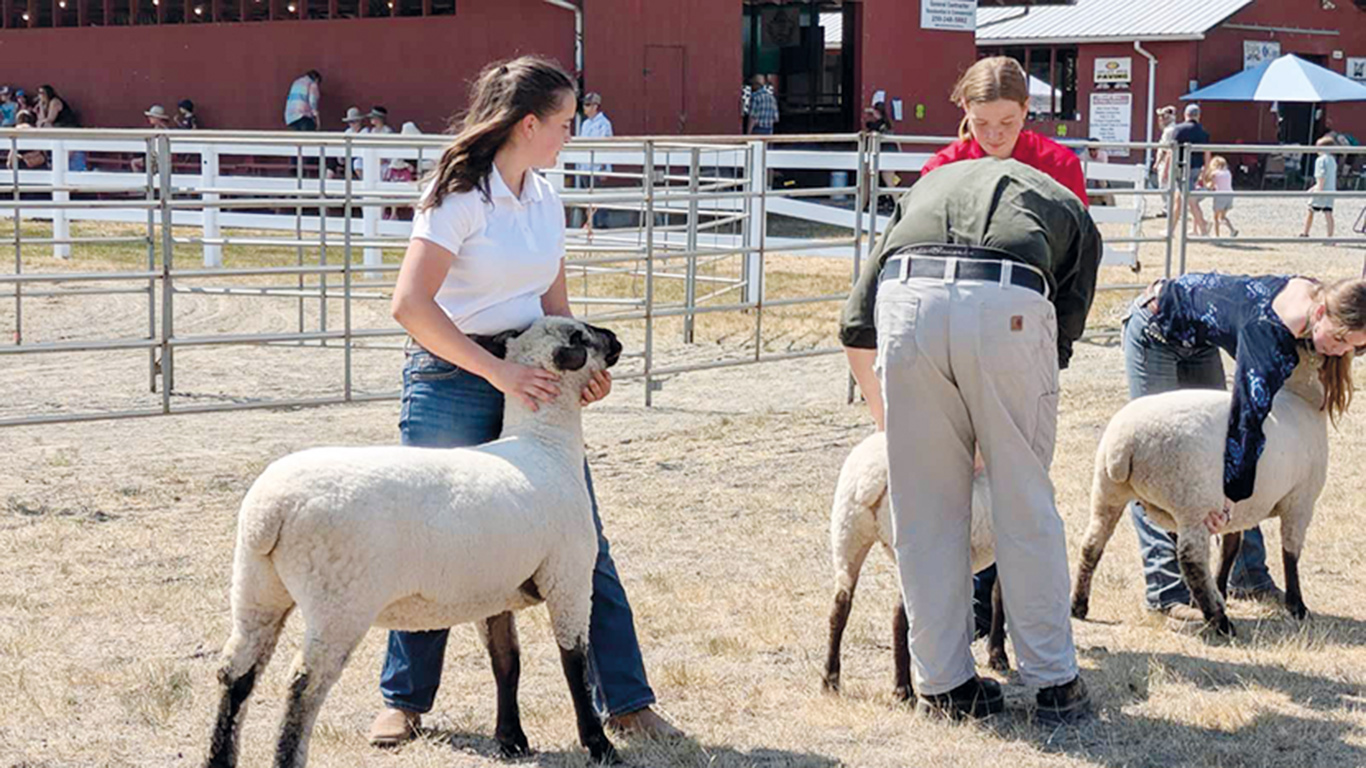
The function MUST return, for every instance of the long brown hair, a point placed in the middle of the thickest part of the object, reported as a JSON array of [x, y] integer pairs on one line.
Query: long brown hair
[[990, 79], [1345, 303], [503, 94]]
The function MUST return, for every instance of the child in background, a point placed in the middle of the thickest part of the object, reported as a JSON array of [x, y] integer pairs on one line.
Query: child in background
[[1220, 179], [1325, 180]]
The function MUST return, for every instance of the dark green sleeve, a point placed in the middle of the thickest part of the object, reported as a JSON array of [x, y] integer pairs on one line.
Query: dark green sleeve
[[1076, 278], [857, 320]]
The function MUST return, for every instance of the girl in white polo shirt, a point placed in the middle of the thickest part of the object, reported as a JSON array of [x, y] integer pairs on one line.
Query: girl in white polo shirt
[[487, 256]]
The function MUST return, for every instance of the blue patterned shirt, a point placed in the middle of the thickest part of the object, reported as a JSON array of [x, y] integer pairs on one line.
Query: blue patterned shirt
[[1233, 312]]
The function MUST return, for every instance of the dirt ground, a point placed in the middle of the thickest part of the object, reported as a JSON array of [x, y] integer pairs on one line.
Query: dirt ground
[[116, 541]]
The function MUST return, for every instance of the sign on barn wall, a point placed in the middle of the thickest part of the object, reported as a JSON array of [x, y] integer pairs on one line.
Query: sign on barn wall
[[955, 15], [1114, 72]]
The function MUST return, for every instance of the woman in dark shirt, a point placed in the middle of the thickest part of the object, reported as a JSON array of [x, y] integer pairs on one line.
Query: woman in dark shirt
[[1172, 338]]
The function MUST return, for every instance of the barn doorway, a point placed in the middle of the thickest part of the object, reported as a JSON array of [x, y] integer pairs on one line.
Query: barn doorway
[[807, 50]]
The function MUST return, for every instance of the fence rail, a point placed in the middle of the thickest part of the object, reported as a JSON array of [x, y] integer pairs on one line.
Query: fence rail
[[689, 205]]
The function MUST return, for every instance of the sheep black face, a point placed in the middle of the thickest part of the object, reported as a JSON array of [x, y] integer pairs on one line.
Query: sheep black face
[[565, 345], [573, 355]]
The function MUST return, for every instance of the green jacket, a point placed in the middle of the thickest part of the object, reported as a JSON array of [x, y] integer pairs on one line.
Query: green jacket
[[1001, 204]]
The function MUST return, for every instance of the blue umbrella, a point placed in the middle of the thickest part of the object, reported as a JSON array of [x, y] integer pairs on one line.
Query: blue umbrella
[[1288, 78]]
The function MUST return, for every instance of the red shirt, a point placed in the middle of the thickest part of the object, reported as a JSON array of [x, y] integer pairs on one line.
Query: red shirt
[[1032, 149]]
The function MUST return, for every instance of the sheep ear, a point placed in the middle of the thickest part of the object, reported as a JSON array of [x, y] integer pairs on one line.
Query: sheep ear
[[571, 358], [498, 345]]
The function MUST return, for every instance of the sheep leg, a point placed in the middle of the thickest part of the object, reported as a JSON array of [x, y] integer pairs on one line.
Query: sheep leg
[[1192, 553], [316, 669], [1294, 599], [839, 619], [577, 673], [500, 638], [246, 653], [904, 690], [1105, 513], [1228, 555], [570, 610], [997, 658]]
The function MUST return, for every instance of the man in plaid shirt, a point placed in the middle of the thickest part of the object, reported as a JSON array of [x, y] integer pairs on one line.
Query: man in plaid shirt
[[763, 108]]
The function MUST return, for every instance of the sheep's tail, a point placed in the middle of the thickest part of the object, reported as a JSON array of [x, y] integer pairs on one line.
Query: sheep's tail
[[1117, 458], [260, 520], [859, 492]]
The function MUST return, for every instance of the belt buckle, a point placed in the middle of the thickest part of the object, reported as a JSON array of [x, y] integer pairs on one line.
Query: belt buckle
[[904, 272], [950, 269], [1007, 273]]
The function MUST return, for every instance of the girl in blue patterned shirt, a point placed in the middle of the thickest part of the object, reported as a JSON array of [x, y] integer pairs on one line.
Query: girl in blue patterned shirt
[[1172, 337]]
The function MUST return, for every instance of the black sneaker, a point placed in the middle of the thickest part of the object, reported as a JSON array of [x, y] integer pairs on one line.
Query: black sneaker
[[1065, 704], [976, 698]]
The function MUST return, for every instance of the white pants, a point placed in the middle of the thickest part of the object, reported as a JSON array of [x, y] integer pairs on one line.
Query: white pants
[[964, 362]]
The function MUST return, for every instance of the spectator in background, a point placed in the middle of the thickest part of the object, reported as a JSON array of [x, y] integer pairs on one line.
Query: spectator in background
[[185, 118], [1162, 161], [355, 120], [301, 104], [160, 121], [53, 111], [26, 105], [9, 108], [876, 120], [26, 159], [763, 108], [1192, 132], [379, 121], [1096, 155], [1325, 180], [746, 95], [1220, 179], [595, 125], [157, 117]]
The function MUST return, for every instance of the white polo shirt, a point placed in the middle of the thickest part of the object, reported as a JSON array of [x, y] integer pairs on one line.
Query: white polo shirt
[[507, 252]]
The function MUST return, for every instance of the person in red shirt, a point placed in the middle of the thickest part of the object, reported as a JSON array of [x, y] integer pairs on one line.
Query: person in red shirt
[[994, 95]]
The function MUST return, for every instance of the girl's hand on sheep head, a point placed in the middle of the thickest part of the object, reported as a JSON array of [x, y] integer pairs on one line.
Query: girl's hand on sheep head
[[597, 388], [525, 383]]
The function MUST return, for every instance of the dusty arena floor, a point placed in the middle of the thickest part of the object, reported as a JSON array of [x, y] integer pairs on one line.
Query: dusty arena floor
[[116, 542]]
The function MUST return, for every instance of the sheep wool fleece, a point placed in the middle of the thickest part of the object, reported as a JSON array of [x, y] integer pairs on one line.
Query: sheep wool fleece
[[964, 362]]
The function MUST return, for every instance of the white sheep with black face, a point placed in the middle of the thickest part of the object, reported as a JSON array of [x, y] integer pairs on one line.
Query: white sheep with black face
[[860, 517], [419, 539], [1167, 451]]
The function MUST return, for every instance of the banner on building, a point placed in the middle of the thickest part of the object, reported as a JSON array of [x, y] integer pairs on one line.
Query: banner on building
[[1356, 69], [1257, 51], [1111, 119], [1114, 72], [956, 15]]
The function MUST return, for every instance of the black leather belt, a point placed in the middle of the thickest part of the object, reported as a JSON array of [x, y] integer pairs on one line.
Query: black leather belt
[[973, 264]]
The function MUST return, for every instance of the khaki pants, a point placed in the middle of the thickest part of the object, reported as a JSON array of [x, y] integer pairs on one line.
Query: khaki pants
[[964, 362]]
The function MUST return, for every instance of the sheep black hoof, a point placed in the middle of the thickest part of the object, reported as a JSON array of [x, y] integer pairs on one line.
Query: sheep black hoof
[[1080, 607], [513, 746], [998, 660], [1224, 628], [830, 684], [903, 693], [603, 752], [1298, 610]]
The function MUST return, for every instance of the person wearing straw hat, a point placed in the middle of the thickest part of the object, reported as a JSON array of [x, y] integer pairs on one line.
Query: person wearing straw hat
[[158, 119], [355, 120]]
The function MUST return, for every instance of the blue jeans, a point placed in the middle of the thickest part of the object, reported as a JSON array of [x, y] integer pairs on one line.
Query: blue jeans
[[1152, 367], [447, 407]]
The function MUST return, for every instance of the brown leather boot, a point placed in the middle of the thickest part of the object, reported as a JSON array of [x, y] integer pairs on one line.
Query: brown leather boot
[[392, 727], [644, 722]]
